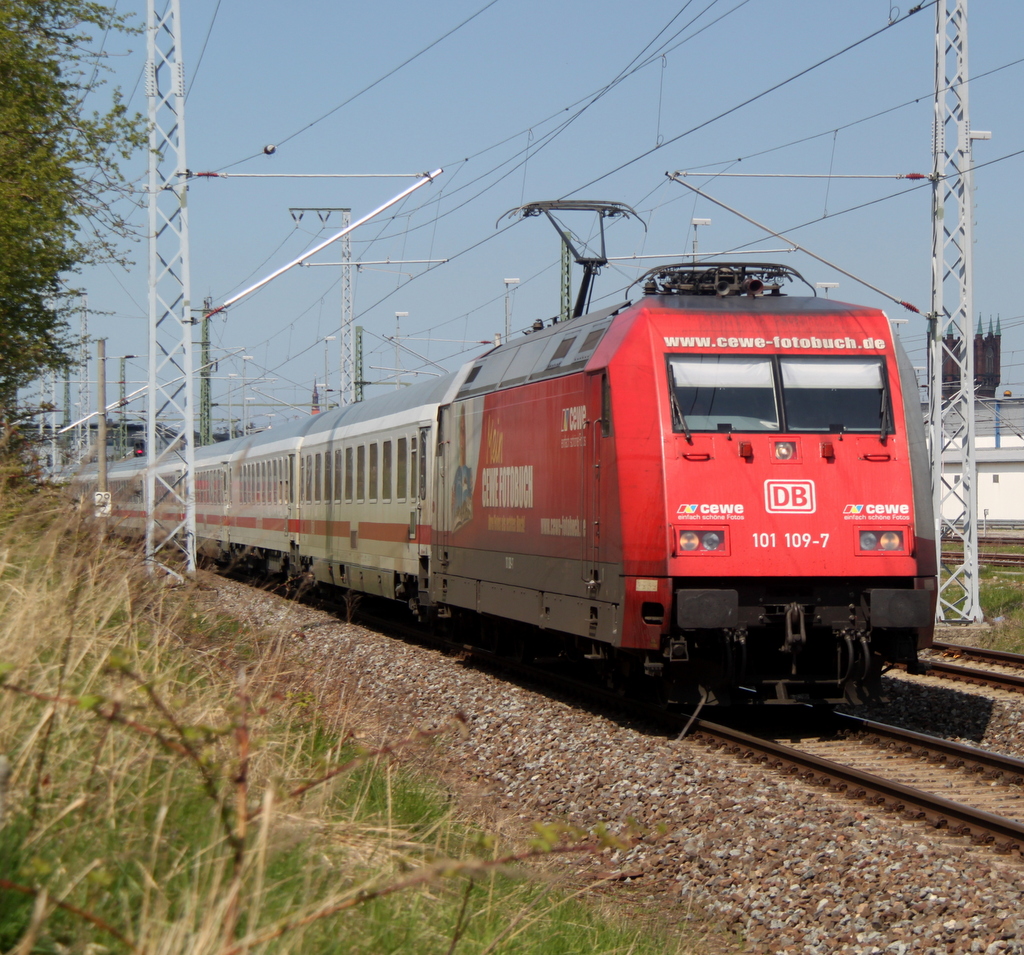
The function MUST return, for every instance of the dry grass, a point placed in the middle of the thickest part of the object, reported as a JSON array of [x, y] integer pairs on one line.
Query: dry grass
[[162, 800]]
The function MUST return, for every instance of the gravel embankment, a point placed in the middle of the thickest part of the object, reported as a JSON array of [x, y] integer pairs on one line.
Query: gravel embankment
[[788, 867]]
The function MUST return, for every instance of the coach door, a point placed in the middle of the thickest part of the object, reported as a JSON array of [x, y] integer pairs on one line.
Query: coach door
[[439, 463], [420, 514], [294, 483]]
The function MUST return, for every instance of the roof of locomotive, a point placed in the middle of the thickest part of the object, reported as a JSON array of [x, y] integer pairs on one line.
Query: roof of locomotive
[[758, 305], [559, 349], [566, 347]]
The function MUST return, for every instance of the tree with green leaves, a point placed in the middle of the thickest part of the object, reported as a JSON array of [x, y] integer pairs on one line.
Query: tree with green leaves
[[59, 176]]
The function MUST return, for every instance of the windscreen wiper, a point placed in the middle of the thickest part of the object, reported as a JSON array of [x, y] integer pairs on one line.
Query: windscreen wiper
[[884, 411], [678, 417]]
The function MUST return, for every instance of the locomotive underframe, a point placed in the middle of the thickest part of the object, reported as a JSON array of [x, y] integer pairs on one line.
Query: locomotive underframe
[[792, 640]]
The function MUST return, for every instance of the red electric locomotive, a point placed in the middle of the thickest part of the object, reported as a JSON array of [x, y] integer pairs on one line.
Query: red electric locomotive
[[721, 485]]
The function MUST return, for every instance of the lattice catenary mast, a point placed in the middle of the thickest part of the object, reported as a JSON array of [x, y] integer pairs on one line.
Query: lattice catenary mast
[[951, 415], [170, 417]]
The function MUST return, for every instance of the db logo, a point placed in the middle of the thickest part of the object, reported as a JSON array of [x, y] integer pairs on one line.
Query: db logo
[[789, 497]]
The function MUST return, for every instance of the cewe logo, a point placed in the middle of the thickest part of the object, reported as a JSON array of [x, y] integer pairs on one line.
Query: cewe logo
[[789, 497], [724, 510], [879, 510]]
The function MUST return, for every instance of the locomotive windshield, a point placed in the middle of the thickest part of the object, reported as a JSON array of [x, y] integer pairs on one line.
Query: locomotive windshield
[[745, 393], [712, 392], [832, 394]]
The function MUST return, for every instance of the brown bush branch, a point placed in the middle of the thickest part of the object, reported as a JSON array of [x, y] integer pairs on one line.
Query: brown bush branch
[[73, 909]]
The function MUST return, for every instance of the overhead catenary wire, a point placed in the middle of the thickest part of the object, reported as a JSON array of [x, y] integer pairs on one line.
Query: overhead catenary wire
[[778, 235], [370, 86], [434, 222], [757, 96]]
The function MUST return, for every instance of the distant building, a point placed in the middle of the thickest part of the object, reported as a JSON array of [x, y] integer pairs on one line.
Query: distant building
[[986, 362], [999, 458], [998, 431]]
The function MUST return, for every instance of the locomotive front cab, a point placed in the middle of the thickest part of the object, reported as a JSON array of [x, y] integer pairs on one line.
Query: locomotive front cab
[[798, 550]]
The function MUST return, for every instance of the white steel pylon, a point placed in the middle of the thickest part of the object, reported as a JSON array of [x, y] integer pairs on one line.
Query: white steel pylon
[[951, 346], [170, 418], [347, 385]]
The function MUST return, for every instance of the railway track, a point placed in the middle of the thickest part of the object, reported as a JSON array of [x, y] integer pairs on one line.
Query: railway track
[[967, 791], [988, 559], [1010, 677], [962, 790]]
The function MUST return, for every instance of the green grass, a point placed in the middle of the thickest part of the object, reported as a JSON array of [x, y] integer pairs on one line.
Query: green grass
[[164, 800], [1002, 599]]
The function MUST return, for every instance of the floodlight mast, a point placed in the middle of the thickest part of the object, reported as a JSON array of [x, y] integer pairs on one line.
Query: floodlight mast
[[591, 264]]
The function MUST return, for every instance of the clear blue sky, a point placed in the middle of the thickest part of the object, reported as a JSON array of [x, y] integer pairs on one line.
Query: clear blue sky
[[499, 103]]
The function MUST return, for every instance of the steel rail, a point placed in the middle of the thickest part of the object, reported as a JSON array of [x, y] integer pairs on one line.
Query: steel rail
[[988, 558], [1003, 657], [999, 681], [981, 826], [956, 754]]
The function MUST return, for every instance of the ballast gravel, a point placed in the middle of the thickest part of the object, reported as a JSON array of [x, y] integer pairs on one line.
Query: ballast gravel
[[788, 867]]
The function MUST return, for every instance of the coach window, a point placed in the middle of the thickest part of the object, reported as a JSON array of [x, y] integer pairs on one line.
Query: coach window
[[307, 485], [722, 393], [349, 471], [835, 394], [374, 471], [402, 451], [385, 471], [361, 473]]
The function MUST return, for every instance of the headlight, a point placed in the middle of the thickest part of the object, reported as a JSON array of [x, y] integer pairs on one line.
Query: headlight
[[711, 540], [881, 540], [785, 450], [891, 540], [703, 542]]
